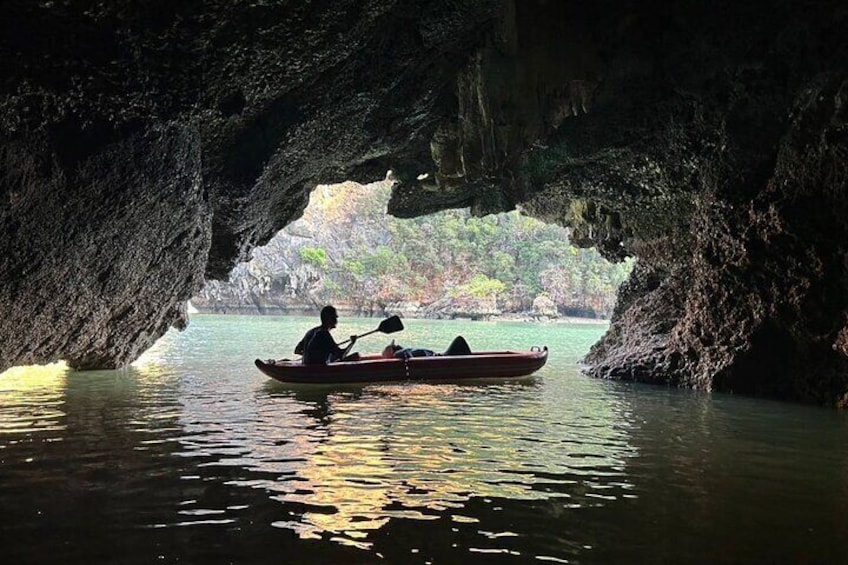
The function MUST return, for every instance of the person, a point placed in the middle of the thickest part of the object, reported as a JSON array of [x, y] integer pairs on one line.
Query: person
[[401, 352], [457, 347], [318, 346]]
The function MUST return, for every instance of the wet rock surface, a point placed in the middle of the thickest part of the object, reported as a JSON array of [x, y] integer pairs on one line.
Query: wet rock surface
[[707, 139], [87, 252]]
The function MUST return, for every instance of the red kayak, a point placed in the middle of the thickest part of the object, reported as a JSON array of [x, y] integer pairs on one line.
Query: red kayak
[[374, 368]]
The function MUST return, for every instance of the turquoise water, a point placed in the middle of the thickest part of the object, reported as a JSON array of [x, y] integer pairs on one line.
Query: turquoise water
[[191, 455]]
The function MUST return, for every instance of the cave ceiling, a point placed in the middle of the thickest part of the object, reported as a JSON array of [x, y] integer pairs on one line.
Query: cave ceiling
[[148, 146]]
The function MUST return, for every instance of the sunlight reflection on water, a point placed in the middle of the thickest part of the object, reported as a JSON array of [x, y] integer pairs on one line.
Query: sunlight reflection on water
[[351, 461], [32, 399]]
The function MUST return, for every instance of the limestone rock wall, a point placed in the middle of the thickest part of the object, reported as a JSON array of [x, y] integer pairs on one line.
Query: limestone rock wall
[[145, 146], [729, 184], [707, 139], [88, 252]]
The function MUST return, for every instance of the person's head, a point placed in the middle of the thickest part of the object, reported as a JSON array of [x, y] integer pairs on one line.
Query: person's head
[[390, 349], [329, 317]]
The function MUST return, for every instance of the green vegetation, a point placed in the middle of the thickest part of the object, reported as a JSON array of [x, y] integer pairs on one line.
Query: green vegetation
[[347, 251], [313, 256]]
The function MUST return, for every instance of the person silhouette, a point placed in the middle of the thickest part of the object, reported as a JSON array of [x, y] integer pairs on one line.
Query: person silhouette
[[318, 346]]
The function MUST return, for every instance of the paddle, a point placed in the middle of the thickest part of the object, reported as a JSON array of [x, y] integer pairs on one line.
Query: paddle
[[390, 325]]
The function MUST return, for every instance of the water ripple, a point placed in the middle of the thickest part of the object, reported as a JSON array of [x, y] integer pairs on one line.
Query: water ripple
[[192, 456]]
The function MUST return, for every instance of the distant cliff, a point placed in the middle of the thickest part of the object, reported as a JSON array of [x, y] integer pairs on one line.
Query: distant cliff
[[346, 251]]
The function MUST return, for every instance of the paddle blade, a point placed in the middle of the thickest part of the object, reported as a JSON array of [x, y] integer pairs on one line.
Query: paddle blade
[[390, 325]]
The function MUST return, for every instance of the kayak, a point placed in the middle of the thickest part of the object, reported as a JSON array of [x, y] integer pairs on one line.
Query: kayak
[[375, 368]]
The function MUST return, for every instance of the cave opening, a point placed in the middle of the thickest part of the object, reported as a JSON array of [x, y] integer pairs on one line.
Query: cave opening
[[347, 251]]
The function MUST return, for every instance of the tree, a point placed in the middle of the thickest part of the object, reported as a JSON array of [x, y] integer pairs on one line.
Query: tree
[[480, 286], [313, 256]]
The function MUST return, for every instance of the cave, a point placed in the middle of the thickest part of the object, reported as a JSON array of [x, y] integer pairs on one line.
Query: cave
[[148, 146]]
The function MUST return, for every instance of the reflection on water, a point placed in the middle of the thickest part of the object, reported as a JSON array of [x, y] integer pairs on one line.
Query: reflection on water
[[32, 399], [360, 458], [192, 455]]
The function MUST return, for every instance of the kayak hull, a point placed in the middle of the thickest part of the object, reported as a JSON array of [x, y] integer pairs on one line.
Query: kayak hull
[[370, 369]]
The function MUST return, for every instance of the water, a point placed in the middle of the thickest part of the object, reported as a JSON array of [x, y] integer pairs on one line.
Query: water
[[192, 456]]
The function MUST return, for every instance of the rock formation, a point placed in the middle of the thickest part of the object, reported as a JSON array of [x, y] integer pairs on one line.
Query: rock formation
[[147, 145]]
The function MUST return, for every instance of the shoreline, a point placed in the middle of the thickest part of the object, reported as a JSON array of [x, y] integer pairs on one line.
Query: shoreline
[[494, 318]]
